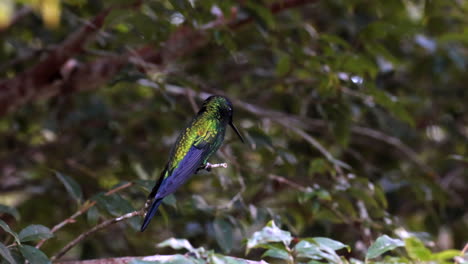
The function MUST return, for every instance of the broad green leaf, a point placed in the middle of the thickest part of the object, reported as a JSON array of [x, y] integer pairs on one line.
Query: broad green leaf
[[333, 244], [308, 248], [146, 184], [283, 65], [270, 233], [416, 249], [383, 244], [9, 210], [117, 206], [7, 229], [223, 234], [220, 259], [35, 232], [139, 261], [175, 259], [73, 188], [261, 14], [318, 165], [446, 255], [93, 215], [5, 253], [177, 244], [277, 253], [34, 255], [260, 138]]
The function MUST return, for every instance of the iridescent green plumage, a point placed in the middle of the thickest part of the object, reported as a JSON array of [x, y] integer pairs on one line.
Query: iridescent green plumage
[[194, 146]]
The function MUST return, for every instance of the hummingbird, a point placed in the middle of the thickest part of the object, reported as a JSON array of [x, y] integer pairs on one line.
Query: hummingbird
[[200, 139]]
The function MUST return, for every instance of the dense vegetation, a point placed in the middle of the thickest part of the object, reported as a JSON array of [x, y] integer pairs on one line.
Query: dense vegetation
[[354, 113]]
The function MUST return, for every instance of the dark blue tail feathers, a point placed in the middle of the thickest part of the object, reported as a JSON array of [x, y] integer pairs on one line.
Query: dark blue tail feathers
[[151, 212]]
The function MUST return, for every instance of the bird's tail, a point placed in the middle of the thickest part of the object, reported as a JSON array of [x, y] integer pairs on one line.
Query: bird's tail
[[150, 213]]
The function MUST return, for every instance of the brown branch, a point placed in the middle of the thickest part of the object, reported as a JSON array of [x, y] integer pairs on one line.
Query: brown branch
[[87, 205], [20, 14], [336, 163], [319, 125], [47, 78], [274, 8], [159, 258], [93, 230], [36, 81]]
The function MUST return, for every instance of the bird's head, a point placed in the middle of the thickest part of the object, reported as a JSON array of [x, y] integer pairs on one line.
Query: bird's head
[[221, 107]]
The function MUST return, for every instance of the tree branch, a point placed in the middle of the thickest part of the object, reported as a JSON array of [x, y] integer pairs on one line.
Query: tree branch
[[161, 258], [20, 14], [93, 230], [316, 124], [87, 205], [47, 78]]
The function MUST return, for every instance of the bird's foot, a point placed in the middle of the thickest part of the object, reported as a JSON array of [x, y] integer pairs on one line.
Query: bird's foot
[[208, 166]]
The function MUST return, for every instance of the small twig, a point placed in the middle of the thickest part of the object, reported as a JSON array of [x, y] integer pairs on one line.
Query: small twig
[[190, 95], [93, 230], [20, 14], [155, 258], [281, 179], [87, 205], [209, 166], [301, 188], [319, 125], [461, 259], [338, 165]]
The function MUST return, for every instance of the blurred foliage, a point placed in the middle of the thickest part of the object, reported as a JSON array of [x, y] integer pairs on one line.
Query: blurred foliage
[[359, 128]]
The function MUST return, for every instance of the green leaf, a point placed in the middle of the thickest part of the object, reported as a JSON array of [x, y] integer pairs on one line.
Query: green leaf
[[34, 255], [446, 255], [270, 233], [220, 259], [35, 232], [117, 206], [392, 104], [283, 65], [175, 259], [223, 234], [73, 188], [333, 244], [261, 14], [177, 244], [5, 253], [9, 210], [416, 249], [277, 253], [93, 215], [308, 248], [146, 184], [7, 229], [383, 244]]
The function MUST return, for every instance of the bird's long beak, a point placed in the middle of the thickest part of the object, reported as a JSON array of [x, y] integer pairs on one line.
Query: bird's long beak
[[237, 131]]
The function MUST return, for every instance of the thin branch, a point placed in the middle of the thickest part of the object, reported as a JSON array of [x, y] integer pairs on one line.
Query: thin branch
[[20, 14], [398, 144], [93, 230], [308, 123], [44, 80], [158, 258], [338, 164], [87, 205], [274, 8], [288, 182]]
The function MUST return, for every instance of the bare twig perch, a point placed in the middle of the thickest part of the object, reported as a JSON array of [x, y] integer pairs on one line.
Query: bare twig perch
[[162, 258], [93, 230], [82, 210]]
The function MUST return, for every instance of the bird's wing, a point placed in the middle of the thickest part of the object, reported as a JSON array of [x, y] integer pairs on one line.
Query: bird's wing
[[187, 166]]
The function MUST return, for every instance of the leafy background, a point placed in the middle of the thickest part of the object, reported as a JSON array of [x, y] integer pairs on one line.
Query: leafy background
[[354, 113]]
